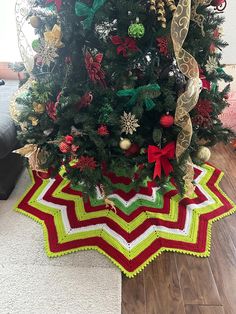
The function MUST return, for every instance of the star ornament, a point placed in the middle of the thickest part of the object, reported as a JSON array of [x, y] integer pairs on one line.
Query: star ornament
[[57, 3], [129, 123], [54, 36]]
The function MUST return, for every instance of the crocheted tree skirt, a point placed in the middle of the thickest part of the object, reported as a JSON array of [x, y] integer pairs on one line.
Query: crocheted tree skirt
[[145, 224]]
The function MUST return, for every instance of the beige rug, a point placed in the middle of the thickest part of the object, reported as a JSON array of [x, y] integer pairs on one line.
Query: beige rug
[[31, 283]]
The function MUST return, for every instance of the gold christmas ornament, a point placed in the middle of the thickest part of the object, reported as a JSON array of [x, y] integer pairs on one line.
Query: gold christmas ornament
[[203, 154], [158, 7], [129, 123], [53, 37], [39, 108], [125, 143], [34, 120], [171, 5], [35, 21]]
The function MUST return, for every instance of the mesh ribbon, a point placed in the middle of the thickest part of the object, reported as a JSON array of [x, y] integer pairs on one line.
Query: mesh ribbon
[[187, 101]]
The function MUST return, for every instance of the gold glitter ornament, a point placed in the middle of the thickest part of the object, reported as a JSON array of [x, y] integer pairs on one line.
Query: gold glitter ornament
[[129, 123], [203, 154], [39, 108], [125, 143]]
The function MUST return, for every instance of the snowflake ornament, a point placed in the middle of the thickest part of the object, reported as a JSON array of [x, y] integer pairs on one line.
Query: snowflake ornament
[[47, 53], [129, 123], [212, 65]]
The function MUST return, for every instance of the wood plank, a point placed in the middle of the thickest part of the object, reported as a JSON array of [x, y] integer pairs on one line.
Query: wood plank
[[225, 158], [162, 288], [223, 265], [203, 309], [133, 295], [197, 281]]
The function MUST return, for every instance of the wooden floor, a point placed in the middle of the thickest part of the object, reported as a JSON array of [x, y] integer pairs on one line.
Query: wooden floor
[[181, 284]]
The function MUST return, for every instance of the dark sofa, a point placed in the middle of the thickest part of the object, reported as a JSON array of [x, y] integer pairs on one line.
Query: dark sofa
[[11, 164]]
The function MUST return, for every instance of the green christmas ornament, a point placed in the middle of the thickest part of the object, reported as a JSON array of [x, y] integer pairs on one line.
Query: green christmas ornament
[[36, 44], [136, 30]]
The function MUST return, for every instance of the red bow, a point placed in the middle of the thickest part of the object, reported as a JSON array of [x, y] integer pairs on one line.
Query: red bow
[[161, 158]]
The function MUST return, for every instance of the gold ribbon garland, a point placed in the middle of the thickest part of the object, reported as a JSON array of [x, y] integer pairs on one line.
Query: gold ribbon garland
[[187, 101]]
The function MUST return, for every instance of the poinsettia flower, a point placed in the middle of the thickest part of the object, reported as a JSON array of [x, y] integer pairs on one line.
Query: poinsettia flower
[[103, 130], [125, 44], [94, 69], [85, 163]]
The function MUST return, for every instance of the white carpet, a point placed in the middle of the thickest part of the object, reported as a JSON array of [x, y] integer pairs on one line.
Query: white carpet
[[31, 283]]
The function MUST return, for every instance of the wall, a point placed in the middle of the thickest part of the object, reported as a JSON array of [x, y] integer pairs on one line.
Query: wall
[[230, 32], [8, 38]]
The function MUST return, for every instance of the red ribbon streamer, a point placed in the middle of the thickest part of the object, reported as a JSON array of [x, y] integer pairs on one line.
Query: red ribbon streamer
[[161, 158]]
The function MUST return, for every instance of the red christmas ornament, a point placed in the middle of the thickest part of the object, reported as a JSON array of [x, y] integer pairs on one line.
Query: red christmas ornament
[[166, 120], [133, 150], [162, 44], [125, 44], [102, 130], [64, 147], [94, 69], [69, 139], [86, 162], [219, 5]]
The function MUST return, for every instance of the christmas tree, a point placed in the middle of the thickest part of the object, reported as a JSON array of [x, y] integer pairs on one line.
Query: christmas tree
[[129, 87]]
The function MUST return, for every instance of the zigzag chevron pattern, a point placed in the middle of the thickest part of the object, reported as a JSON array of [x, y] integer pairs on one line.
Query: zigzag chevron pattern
[[146, 223]]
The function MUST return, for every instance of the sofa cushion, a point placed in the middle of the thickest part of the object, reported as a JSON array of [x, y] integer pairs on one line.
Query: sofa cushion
[[7, 127], [7, 135]]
